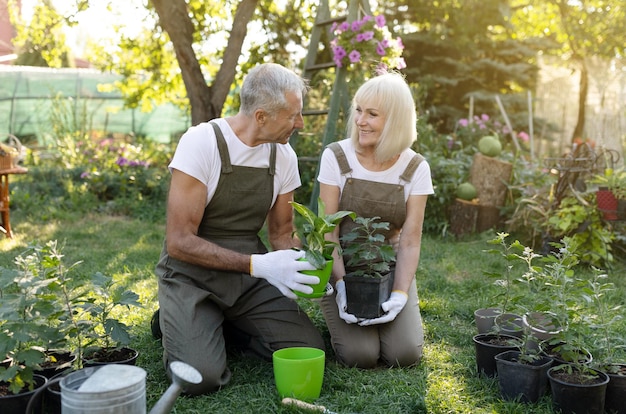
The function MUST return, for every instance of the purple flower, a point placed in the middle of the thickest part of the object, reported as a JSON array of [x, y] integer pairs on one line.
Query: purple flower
[[463, 122], [339, 52], [356, 26], [354, 56], [399, 43], [380, 20], [484, 117], [84, 175], [380, 49], [344, 26], [365, 36]]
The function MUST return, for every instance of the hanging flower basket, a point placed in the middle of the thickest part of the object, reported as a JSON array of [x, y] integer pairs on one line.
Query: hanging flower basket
[[366, 41]]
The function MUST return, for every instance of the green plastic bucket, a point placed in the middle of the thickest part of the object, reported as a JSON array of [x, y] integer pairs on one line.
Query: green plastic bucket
[[106, 389], [299, 372]]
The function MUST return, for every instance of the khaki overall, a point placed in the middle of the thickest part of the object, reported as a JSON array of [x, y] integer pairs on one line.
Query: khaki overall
[[397, 343], [199, 304]]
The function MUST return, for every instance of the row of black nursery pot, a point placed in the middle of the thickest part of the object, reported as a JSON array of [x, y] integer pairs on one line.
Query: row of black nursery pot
[[575, 388], [45, 397]]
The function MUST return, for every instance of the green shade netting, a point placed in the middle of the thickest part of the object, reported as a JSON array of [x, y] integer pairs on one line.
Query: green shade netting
[[30, 97]]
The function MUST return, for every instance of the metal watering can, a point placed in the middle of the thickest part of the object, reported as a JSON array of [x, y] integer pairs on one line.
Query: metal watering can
[[119, 389]]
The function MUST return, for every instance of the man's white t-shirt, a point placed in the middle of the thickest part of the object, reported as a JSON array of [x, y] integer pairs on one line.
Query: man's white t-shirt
[[330, 173], [197, 155]]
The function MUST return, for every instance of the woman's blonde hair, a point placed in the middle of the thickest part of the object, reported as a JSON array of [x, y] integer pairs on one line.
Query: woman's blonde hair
[[390, 93]]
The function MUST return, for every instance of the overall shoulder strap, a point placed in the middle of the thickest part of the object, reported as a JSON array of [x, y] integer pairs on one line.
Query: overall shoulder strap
[[223, 149], [272, 169], [344, 166], [411, 167]]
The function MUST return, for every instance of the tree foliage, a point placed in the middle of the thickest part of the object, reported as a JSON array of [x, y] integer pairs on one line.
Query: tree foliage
[[581, 30], [41, 41]]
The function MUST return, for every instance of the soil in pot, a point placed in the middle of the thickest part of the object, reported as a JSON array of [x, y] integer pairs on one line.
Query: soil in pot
[[365, 294], [57, 362], [523, 381], [17, 403], [615, 400], [488, 346], [103, 356], [485, 319], [574, 391]]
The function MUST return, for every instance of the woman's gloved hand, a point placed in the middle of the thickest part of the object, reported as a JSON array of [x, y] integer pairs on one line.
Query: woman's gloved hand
[[392, 306], [342, 303], [281, 268]]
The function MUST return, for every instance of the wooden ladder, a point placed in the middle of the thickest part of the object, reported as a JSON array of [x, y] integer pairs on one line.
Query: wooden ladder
[[339, 99]]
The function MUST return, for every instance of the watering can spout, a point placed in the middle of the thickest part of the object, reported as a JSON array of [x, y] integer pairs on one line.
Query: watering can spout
[[183, 375]]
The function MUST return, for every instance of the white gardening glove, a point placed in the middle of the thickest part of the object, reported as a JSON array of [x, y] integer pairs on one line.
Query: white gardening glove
[[281, 268], [392, 306], [342, 302]]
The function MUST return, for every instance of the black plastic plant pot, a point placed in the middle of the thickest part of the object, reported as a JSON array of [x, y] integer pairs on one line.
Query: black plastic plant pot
[[488, 346], [521, 381], [365, 294], [569, 396]]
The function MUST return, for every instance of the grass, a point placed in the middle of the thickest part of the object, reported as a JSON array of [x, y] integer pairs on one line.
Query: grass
[[451, 286]]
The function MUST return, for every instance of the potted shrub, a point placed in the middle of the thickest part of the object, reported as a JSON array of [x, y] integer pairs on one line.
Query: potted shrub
[[108, 338], [370, 279], [24, 325], [499, 317], [607, 347], [312, 231]]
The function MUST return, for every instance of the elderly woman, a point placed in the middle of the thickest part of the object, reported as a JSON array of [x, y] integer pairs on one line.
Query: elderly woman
[[374, 172]]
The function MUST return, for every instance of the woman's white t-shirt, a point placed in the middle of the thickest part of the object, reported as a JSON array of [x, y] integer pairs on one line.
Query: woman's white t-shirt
[[330, 173], [197, 155]]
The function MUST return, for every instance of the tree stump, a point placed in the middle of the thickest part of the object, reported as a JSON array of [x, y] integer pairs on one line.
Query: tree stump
[[463, 217], [490, 176]]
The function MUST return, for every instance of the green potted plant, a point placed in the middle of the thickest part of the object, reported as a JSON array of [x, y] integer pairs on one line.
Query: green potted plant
[[369, 258], [108, 337], [608, 349], [312, 231], [501, 317], [24, 326]]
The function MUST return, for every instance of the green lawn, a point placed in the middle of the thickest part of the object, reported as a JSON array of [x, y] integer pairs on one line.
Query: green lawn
[[451, 286]]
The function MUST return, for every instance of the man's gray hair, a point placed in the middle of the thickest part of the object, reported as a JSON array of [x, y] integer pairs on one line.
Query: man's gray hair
[[265, 87]]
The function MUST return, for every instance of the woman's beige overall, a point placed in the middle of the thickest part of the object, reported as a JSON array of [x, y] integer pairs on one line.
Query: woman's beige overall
[[397, 343]]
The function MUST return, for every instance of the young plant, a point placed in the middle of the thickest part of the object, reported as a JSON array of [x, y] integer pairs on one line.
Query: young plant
[[27, 314], [366, 249], [312, 232], [105, 297], [608, 351], [504, 279]]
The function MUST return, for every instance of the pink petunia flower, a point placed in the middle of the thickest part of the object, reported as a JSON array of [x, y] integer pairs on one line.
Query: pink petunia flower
[[380, 20]]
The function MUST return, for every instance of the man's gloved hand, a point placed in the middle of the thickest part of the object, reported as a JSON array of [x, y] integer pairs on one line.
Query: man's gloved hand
[[342, 303], [392, 306], [281, 268]]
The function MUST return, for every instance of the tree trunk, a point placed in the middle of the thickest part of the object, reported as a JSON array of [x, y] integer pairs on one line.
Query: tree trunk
[[206, 102], [579, 130]]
